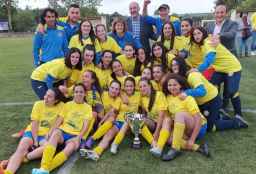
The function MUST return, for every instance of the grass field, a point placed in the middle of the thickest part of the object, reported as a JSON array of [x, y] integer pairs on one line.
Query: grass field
[[232, 151]]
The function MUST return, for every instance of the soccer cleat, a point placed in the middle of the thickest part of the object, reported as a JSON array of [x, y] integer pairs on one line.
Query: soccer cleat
[[171, 155], [204, 150], [155, 151], [89, 143], [40, 171], [241, 123], [113, 148], [89, 154]]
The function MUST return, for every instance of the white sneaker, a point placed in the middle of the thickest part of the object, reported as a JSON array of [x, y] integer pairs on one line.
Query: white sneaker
[[89, 154], [157, 152], [114, 148]]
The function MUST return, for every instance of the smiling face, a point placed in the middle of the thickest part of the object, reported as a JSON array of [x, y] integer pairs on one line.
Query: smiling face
[[175, 67], [146, 73], [141, 55], [86, 28], [88, 56], [145, 88], [74, 14], [167, 30], [174, 88], [157, 51], [220, 13], [129, 87], [157, 73], [117, 68], [50, 19], [185, 28], [114, 89], [106, 59], [79, 94], [74, 58], [49, 98], [163, 13], [119, 27], [134, 9], [198, 35], [101, 32], [87, 79], [128, 51]]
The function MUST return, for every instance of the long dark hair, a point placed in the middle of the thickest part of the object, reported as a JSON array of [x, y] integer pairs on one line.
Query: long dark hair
[[91, 34], [163, 56], [138, 63], [172, 36], [205, 35], [68, 59], [183, 67], [82, 85], [131, 79], [90, 47], [181, 80], [113, 75], [103, 54], [96, 84], [58, 96], [152, 97]]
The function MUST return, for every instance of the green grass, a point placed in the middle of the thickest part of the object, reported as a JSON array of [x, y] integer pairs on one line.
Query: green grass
[[232, 151]]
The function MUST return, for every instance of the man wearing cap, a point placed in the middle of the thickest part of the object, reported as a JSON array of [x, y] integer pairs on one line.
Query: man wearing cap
[[139, 26], [164, 11]]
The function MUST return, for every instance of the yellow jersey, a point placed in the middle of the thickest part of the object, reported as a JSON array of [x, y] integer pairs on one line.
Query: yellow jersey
[[110, 102], [74, 115], [55, 68], [103, 75], [75, 42], [159, 105], [181, 42], [127, 63], [253, 21], [195, 57], [109, 44], [196, 79], [74, 78], [45, 115], [132, 106], [189, 105]]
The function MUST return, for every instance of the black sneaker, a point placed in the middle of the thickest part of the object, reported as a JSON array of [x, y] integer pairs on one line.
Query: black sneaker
[[171, 155], [241, 123], [204, 150]]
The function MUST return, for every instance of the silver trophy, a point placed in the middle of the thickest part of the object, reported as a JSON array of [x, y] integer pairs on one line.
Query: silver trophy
[[135, 121]]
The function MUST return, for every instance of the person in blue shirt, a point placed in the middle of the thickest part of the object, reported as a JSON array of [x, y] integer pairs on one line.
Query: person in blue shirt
[[52, 43], [122, 36], [164, 16], [70, 24]]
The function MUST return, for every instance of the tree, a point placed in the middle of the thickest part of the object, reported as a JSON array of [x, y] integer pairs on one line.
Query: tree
[[8, 5], [81, 3]]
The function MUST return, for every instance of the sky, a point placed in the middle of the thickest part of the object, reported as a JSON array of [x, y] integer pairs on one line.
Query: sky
[[122, 6]]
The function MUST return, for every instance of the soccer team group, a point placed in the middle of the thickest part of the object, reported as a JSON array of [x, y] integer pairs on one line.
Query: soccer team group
[[88, 79]]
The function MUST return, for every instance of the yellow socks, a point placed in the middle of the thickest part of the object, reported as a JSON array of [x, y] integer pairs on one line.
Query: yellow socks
[[58, 160], [99, 150], [7, 172], [145, 132], [163, 137], [89, 129], [48, 154], [178, 132], [102, 130], [119, 138]]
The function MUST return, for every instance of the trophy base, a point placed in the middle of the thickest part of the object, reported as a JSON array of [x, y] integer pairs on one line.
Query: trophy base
[[136, 146]]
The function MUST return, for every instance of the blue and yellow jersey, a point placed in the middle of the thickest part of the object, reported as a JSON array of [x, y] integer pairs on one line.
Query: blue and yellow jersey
[[196, 79], [45, 115]]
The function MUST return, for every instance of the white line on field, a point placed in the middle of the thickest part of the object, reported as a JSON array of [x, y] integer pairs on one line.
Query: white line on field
[[16, 103], [68, 165]]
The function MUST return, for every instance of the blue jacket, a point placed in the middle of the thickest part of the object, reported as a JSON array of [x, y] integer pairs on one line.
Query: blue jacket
[[127, 38], [69, 30], [50, 45]]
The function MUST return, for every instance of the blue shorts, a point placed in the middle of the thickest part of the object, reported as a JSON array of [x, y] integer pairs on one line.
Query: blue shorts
[[67, 136], [119, 124], [202, 132], [28, 134]]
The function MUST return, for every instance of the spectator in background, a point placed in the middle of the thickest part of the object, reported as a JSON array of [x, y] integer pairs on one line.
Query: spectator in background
[[122, 36], [51, 44], [139, 27], [225, 28], [253, 22], [164, 16], [244, 35]]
